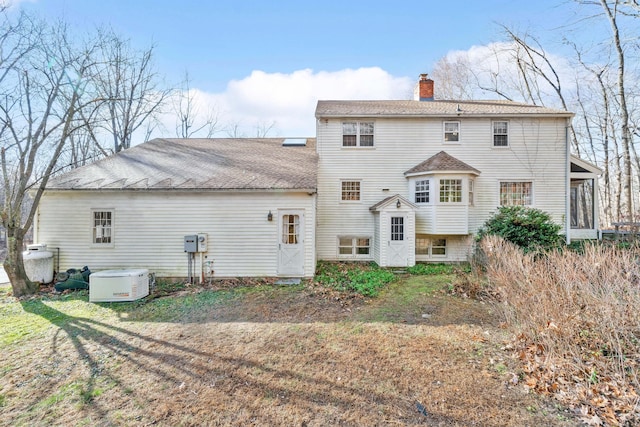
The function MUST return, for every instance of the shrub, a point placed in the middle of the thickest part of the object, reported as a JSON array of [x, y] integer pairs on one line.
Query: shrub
[[576, 316], [530, 229]]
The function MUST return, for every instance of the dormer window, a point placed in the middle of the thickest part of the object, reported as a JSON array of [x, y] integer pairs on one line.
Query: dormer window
[[357, 134]]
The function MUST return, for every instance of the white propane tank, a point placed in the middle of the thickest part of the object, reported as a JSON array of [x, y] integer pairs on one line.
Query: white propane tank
[[38, 263]]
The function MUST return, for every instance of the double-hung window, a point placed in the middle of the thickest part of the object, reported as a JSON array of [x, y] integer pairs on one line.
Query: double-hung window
[[357, 134], [515, 193], [450, 191], [451, 131], [501, 134], [350, 191], [102, 227], [422, 191]]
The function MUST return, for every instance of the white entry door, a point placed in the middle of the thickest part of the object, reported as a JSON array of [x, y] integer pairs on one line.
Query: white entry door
[[398, 255], [291, 243]]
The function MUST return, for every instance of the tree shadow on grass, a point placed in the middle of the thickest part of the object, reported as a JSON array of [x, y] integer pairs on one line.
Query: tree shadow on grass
[[167, 362]]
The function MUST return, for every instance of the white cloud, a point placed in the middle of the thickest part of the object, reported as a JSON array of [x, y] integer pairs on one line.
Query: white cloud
[[14, 3], [289, 100]]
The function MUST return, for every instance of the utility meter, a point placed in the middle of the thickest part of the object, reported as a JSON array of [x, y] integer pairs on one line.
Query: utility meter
[[202, 242]]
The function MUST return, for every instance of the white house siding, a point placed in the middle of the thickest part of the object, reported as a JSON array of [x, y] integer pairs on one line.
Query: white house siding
[[149, 228], [536, 153], [458, 250]]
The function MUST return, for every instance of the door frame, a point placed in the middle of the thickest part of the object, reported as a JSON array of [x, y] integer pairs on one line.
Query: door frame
[[299, 269]]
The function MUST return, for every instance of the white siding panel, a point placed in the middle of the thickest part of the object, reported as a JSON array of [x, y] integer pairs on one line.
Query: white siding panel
[[536, 153], [149, 230]]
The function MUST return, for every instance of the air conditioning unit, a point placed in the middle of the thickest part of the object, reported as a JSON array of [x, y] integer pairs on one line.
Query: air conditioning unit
[[118, 285]]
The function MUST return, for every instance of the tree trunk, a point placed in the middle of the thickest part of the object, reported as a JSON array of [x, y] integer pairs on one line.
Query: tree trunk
[[14, 267]]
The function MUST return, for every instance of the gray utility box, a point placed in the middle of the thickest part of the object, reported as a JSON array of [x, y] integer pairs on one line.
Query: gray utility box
[[191, 243], [195, 243]]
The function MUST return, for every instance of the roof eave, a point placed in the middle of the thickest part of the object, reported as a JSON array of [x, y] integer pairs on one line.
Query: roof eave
[[434, 172]]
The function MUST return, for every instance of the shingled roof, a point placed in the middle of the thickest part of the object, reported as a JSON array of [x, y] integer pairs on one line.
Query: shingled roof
[[490, 108], [199, 164], [442, 162]]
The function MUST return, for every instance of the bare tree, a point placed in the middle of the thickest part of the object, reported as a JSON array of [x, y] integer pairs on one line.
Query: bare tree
[[611, 12], [190, 119], [130, 85], [45, 80]]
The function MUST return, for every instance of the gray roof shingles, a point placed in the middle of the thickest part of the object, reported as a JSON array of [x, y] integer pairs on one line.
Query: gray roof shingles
[[199, 164], [442, 162], [438, 108]]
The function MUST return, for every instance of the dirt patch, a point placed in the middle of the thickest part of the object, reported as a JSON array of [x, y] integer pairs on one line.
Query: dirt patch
[[275, 355]]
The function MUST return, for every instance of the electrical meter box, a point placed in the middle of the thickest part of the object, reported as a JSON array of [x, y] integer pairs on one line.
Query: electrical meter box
[[202, 242], [191, 243]]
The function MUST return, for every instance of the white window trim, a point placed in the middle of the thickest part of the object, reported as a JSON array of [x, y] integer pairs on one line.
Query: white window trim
[[413, 190], [354, 247], [358, 146], [532, 204], [444, 125], [430, 255], [350, 201], [92, 227], [462, 190], [501, 147], [471, 193]]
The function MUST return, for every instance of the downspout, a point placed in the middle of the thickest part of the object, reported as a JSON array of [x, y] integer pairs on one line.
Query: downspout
[[567, 185]]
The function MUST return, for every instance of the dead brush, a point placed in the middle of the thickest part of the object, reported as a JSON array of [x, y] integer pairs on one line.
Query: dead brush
[[578, 321]]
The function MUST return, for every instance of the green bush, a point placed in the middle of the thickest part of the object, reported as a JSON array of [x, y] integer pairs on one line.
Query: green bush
[[530, 229]]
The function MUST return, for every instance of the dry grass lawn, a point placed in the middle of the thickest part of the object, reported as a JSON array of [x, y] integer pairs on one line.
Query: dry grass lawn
[[262, 355]]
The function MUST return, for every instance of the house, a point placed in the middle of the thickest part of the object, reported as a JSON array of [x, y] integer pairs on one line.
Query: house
[[407, 181], [395, 182], [254, 200]]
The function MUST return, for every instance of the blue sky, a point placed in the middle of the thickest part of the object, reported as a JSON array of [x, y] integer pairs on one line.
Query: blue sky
[[233, 48]]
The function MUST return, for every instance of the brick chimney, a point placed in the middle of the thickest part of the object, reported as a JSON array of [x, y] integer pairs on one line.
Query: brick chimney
[[424, 89]]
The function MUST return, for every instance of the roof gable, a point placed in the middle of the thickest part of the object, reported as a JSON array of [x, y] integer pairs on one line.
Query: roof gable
[[199, 164], [442, 162]]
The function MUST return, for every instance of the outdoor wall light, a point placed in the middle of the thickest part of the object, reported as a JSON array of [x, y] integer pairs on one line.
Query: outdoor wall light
[[269, 216], [398, 204]]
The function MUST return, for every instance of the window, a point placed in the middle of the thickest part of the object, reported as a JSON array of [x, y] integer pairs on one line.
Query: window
[[471, 184], [450, 190], [422, 191], [422, 246], [397, 228], [515, 193], [500, 134], [354, 246], [290, 229], [102, 227], [451, 131], [431, 247], [439, 247], [350, 190], [357, 134]]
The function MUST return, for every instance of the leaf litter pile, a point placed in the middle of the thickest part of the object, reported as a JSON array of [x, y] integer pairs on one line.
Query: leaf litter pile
[[232, 354]]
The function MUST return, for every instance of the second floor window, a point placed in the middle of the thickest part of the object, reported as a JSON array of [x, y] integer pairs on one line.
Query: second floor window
[[357, 134], [451, 131], [450, 191], [500, 134]]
